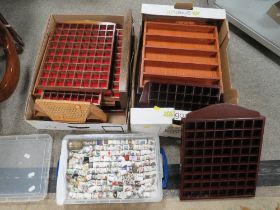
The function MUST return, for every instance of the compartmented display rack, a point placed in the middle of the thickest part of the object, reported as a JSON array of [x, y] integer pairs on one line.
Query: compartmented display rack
[[82, 63], [181, 97], [78, 57], [220, 152], [182, 54]]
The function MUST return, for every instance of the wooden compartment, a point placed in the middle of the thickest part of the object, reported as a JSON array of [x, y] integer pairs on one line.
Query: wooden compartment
[[220, 152], [181, 20], [77, 66], [179, 96], [180, 52], [94, 98], [80, 57]]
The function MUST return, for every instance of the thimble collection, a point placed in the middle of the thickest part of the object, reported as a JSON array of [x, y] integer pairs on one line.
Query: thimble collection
[[112, 169]]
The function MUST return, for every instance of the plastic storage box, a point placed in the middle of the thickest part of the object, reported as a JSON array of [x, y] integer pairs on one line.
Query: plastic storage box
[[62, 192], [24, 171]]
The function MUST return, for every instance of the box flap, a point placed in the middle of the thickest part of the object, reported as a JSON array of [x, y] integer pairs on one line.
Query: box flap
[[274, 12], [230, 94], [196, 12], [187, 5]]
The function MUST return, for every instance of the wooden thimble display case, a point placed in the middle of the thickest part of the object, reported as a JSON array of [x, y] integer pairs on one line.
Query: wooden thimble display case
[[182, 57], [220, 152], [82, 62], [78, 57], [179, 96]]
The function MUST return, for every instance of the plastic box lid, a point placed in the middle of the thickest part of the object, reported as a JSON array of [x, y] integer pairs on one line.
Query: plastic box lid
[[24, 167]]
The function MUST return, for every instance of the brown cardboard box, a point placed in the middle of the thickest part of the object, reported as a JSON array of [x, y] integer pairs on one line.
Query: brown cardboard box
[[116, 121], [230, 95]]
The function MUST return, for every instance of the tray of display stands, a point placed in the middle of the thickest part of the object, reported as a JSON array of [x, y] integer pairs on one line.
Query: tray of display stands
[[181, 58], [82, 70], [78, 66], [109, 168], [185, 55]]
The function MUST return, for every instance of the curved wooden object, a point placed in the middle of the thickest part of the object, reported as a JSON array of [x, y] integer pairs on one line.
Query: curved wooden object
[[11, 76]]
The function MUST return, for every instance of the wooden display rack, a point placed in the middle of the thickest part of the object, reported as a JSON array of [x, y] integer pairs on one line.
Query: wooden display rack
[[183, 51], [68, 111]]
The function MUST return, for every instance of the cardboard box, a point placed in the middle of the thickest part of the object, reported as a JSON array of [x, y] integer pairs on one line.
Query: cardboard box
[[150, 11], [153, 120], [274, 12], [157, 120], [117, 122]]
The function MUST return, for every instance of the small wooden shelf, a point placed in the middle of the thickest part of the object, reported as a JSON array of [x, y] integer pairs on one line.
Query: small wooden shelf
[[179, 51]]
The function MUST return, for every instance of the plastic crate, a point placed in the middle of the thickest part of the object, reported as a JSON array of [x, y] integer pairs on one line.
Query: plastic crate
[[24, 170], [179, 96], [62, 184], [220, 152]]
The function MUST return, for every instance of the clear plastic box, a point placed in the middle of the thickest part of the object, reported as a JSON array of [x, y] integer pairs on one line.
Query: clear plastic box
[[24, 167], [61, 188]]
